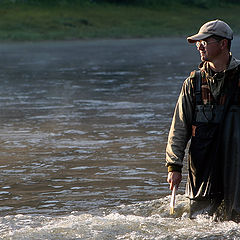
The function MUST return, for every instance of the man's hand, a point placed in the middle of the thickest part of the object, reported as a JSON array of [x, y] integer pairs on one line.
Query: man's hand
[[174, 178]]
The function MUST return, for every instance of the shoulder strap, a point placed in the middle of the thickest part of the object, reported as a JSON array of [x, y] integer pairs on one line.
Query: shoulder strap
[[197, 83], [198, 89]]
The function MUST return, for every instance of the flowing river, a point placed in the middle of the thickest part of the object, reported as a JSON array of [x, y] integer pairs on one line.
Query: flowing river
[[83, 131]]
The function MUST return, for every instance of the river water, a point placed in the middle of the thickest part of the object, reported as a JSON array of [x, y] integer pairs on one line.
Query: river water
[[84, 126]]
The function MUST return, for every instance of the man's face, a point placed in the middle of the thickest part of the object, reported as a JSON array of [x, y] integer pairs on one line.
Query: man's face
[[209, 49]]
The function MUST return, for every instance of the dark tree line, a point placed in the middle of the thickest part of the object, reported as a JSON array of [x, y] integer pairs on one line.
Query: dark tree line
[[159, 2], [199, 3]]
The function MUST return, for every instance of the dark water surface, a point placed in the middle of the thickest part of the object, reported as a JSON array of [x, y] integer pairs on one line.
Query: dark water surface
[[84, 126]]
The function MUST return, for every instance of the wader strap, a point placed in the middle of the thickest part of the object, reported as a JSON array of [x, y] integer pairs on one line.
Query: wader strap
[[198, 83]]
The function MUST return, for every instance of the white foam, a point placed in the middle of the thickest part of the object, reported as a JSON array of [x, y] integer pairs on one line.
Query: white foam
[[147, 220]]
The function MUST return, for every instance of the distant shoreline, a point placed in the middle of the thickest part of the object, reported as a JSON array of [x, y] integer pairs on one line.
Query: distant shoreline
[[25, 22]]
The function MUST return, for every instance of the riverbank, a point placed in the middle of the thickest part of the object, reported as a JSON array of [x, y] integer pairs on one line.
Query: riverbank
[[25, 22]]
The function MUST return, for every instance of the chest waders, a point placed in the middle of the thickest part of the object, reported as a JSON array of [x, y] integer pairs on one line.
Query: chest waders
[[214, 153]]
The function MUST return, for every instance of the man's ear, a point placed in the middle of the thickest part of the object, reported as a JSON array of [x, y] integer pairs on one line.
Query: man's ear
[[224, 43]]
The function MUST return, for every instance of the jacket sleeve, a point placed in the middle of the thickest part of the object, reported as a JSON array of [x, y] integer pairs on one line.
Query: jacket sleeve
[[181, 128]]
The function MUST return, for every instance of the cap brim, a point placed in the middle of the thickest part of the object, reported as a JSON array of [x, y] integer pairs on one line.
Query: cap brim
[[198, 37]]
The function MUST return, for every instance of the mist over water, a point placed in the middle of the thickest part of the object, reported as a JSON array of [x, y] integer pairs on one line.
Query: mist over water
[[84, 127]]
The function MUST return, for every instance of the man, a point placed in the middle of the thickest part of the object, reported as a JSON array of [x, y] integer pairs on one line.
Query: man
[[208, 113]]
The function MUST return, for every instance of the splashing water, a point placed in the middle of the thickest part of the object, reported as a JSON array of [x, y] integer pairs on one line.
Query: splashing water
[[147, 220]]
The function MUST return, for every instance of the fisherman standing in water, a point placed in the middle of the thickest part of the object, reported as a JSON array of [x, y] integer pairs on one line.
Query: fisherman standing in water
[[208, 113]]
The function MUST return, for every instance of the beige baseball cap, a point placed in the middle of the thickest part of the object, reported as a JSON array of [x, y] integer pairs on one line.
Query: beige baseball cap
[[216, 27]]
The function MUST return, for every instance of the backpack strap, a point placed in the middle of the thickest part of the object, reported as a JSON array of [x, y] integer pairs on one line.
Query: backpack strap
[[197, 83]]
